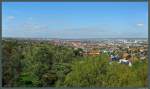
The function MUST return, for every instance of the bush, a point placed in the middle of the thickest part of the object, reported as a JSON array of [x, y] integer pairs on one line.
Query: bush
[[96, 72]]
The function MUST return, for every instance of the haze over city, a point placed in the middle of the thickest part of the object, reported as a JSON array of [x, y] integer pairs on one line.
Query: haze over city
[[75, 20]]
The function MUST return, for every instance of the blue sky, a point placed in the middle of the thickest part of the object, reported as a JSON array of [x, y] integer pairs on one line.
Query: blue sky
[[75, 19]]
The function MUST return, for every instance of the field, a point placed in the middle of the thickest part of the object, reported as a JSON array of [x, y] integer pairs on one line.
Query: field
[[40, 64]]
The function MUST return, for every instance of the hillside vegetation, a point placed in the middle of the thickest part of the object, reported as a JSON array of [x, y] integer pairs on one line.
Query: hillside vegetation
[[32, 64]]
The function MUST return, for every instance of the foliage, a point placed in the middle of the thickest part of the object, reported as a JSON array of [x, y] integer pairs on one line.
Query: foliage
[[96, 72], [41, 64]]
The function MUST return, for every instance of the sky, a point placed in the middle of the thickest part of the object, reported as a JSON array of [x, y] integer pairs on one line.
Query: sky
[[75, 19]]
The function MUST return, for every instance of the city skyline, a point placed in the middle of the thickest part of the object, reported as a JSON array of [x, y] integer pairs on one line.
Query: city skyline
[[75, 20]]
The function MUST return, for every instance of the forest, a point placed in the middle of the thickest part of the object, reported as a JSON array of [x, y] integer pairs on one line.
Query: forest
[[40, 64]]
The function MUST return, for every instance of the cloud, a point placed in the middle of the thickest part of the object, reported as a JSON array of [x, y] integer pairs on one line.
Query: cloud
[[30, 18], [34, 27], [140, 24], [11, 17]]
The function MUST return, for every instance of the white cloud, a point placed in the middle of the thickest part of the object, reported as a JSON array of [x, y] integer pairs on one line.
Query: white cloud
[[11, 17], [30, 18], [36, 26], [140, 24]]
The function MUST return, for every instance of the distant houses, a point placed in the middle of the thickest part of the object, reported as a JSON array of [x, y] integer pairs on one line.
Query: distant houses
[[91, 53], [131, 50]]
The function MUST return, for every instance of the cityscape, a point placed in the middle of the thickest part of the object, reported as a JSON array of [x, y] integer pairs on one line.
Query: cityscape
[[75, 44], [122, 48]]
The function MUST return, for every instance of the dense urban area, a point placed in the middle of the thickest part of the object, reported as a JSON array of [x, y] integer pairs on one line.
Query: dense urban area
[[75, 62]]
